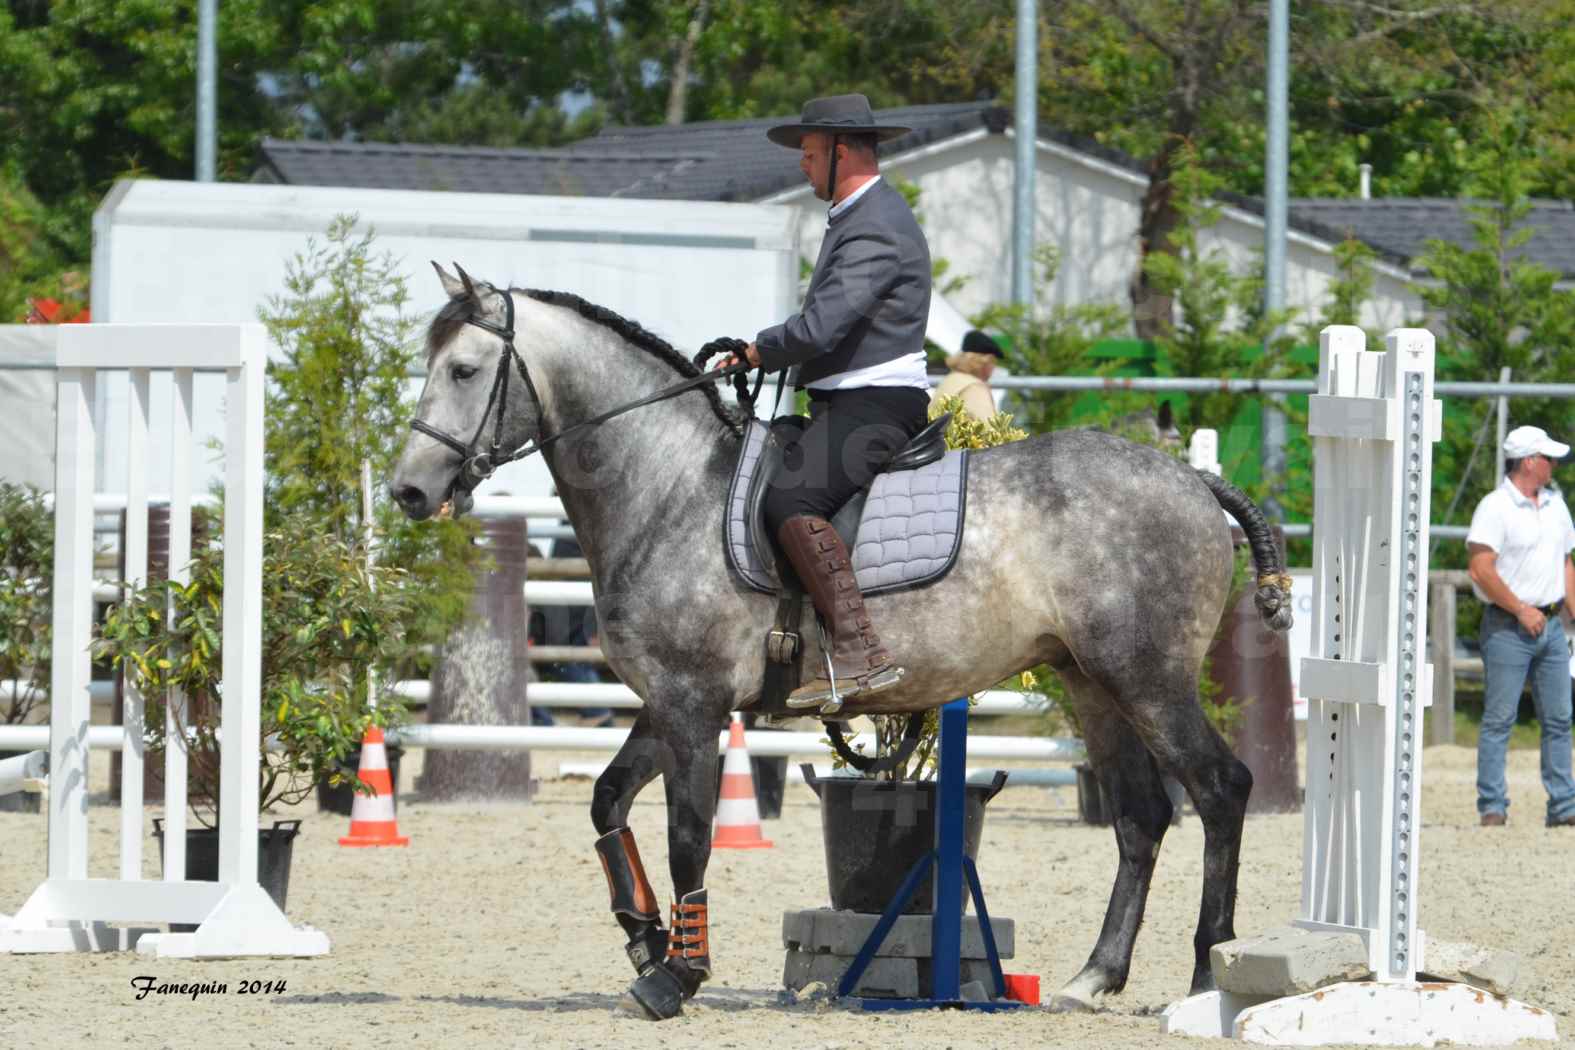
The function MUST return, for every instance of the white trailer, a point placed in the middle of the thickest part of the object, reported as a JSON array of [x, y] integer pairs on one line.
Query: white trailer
[[216, 252]]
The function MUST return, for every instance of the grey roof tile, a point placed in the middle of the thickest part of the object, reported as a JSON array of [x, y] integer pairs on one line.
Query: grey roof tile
[[468, 169], [1402, 226]]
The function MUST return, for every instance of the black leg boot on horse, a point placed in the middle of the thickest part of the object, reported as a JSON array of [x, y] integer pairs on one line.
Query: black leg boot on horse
[[859, 664]]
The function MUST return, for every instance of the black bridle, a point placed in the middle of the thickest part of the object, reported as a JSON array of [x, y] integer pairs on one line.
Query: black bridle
[[477, 466]]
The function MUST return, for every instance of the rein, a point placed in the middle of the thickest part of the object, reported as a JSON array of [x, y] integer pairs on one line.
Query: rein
[[478, 466]]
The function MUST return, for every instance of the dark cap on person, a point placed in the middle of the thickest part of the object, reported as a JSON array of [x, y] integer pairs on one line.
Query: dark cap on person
[[837, 114], [976, 342]]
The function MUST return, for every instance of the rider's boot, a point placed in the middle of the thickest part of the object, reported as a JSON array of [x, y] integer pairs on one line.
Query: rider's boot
[[859, 663]]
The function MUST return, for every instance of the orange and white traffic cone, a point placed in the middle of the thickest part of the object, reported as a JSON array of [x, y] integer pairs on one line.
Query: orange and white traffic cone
[[372, 820], [737, 815]]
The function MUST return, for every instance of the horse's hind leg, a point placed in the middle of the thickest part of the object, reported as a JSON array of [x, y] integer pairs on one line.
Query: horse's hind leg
[[1130, 783], [1219, 784], [633, 902]]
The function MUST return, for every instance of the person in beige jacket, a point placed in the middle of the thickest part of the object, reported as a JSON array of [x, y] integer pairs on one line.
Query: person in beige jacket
[[970, 373]]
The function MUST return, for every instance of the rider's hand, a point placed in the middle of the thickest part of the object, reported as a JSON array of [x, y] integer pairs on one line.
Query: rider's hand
[[1532, 620], [751, 354]]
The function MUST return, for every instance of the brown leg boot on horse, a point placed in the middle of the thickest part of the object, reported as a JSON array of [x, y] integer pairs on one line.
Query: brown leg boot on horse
[[858, 662]]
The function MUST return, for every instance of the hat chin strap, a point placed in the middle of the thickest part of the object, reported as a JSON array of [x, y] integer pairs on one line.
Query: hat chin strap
[[831, 175]]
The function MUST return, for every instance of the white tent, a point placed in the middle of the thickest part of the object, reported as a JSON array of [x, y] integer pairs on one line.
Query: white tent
[[194, 252]]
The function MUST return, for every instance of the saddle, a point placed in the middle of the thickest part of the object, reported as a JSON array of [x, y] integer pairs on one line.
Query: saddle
[[904, 531]]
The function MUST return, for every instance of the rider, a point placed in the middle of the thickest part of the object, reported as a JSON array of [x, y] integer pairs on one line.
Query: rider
[[858, 342]]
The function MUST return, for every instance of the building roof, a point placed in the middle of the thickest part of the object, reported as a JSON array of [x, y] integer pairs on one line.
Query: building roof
[[726, 160], [731, 160], [1401, 226], [467, 169]]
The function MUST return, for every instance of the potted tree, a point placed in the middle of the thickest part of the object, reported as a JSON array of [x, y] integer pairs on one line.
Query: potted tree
[[338, 408], [328, 619], [877, 825], [336, 413], [26, 569]]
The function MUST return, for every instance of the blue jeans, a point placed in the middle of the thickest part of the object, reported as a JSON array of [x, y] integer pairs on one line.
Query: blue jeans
[[1509, 654]]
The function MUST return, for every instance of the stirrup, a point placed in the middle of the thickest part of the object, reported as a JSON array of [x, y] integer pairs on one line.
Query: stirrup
[[828, 703], [831, 700]]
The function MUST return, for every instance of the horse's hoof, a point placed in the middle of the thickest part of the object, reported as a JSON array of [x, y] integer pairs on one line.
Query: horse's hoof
[[1061, 1003], [1078, 995], [656, 995]]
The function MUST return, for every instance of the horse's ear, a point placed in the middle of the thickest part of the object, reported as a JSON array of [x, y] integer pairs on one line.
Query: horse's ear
[[470, 285], [451, 284]]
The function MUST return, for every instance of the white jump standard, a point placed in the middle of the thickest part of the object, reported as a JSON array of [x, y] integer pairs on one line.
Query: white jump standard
[[70, 911], [1347, 971]]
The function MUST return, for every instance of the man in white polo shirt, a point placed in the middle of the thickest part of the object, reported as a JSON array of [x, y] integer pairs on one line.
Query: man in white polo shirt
[[1519, 543]]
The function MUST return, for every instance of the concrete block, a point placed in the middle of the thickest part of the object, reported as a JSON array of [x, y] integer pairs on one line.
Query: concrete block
[[1288, 961], [973, 992], [1486, 968], [884, 978], [844, 933]]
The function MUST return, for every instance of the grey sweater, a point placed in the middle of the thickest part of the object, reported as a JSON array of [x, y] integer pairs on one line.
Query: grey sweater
[[869, 298]]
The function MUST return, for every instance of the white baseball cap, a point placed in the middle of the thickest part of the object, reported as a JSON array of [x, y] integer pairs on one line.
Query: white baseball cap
[[1531, 441]]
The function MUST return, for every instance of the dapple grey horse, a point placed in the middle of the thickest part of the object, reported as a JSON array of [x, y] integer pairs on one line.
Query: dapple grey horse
[[1107, 559]]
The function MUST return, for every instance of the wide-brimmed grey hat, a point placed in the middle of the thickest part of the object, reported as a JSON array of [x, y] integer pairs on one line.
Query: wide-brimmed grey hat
[[838, 114]]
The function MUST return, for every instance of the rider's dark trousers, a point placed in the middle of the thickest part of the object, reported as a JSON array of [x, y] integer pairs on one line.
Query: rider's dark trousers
[[851, 435]]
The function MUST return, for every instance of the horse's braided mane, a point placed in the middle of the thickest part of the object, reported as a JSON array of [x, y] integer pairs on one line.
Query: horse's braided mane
[[455, 312]]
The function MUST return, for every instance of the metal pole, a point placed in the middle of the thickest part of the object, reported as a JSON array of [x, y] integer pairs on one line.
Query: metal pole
[[371, 566], [1026, 128], [207, 106], [1274, 222], [1503, 429]]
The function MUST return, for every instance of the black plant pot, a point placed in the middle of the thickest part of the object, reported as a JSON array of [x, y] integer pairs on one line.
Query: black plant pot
[[770, 777], [19, 801], [340, 799], [876, 830], [275, 846], [1091, 808]]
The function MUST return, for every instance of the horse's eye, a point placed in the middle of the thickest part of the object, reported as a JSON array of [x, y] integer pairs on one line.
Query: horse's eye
[[463, 372]]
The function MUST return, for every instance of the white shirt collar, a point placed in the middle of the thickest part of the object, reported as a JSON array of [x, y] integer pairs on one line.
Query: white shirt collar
[[1544, 494], [847, 202]]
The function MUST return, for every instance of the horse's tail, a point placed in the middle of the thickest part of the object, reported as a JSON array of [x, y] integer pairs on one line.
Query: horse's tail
[[1273, 597]]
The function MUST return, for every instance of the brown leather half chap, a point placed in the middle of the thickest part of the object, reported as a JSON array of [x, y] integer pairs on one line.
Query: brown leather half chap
[[627, 885], [689, 938]]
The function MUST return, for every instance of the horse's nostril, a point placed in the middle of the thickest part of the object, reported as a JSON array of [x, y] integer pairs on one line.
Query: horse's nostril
[[410, 498]]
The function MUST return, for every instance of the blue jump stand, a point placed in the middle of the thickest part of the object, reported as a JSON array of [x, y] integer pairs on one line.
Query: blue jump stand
[[951, 864]]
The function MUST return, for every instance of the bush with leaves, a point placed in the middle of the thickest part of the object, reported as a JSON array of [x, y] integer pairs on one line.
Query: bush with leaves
[[327, 620], [27, 544]]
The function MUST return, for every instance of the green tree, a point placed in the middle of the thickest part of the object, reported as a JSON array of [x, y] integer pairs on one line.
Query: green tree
[[1053, 342], [1220, 323], [1351, 288], [1151, 76], [31, 255], [1496, 307], [339, 397]]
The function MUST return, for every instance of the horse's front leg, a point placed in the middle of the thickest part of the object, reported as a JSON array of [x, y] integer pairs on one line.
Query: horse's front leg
[[687, 754], [633, 902]]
